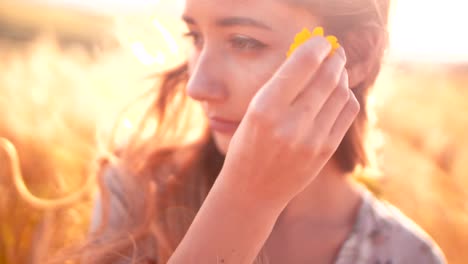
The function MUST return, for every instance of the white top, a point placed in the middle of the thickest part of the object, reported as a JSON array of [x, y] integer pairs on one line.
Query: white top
[[382, 234]]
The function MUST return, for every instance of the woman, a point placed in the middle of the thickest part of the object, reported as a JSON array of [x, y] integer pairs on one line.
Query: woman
[[270, 180]]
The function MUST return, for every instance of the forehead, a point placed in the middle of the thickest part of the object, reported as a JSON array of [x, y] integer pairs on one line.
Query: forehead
[[276, 13], [236, 4]]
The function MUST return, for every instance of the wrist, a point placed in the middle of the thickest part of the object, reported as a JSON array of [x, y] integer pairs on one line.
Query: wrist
[[245, 198], [229, 225]]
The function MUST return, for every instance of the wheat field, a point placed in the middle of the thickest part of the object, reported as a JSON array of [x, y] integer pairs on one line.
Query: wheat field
[[54, 99]]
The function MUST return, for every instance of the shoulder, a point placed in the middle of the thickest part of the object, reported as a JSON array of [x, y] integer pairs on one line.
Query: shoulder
[[118, 209], [113, 198], [392, 237]]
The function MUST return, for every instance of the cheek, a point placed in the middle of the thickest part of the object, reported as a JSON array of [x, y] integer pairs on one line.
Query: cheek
[[257, 72]]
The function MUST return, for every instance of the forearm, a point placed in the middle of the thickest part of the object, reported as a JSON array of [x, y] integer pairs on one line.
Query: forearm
[[229, 228]]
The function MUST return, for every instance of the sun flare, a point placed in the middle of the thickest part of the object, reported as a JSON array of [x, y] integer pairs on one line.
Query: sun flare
[[429, 30]]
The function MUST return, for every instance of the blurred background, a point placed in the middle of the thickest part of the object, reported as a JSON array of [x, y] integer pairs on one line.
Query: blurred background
[[68, 68]]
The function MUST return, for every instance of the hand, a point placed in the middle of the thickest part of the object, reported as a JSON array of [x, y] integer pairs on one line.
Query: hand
[[293, 126]]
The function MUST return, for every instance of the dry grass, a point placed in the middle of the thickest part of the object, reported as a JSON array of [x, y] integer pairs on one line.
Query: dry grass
[[51, 103], [425, 155]]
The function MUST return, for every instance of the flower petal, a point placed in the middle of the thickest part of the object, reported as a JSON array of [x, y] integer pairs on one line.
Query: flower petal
[[302, 36], [334, 43], [332, 39], [305, 35], [318, 31]]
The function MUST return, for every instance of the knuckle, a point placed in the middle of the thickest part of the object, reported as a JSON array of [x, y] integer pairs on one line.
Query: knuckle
[[332, 72], [319, 148], [283, 139], [328, 73], [327, 150], [352, 108], [256, 112], [320, 151], [309, 149], [259, 116], [332, 79], [342, 54], [345, 76], [343, 94], [355, 106], [312, 148]]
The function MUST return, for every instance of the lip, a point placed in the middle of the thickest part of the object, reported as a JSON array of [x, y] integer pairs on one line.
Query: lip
[[223, 126]]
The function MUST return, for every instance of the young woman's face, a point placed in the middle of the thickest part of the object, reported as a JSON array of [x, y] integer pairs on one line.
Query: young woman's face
[[237, 46]]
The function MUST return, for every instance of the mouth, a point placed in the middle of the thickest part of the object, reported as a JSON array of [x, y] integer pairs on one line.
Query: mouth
[[223, 126]]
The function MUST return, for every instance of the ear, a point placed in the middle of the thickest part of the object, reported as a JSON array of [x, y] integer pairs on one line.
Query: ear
[[357, 73], [364, 49]]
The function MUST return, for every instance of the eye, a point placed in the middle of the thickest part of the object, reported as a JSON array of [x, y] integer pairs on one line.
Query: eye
[[196, 37], [246, 43]]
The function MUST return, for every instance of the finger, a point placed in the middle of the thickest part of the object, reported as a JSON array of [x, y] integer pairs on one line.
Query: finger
[[292, 76], [321, 86], [345, 120], [341, 52], [332, 108]]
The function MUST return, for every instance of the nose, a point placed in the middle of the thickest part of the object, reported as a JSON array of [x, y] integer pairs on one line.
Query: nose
[[206, 82]]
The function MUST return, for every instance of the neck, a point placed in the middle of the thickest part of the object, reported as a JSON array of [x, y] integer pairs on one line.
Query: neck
[[331, 200]]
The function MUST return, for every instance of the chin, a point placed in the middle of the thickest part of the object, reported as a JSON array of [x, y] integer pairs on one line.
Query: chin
[[222, 142]]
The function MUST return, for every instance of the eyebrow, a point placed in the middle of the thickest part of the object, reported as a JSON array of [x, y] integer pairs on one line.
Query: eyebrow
[[232, 21]]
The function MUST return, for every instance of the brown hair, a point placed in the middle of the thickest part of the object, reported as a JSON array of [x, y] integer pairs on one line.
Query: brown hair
[[163, 184]]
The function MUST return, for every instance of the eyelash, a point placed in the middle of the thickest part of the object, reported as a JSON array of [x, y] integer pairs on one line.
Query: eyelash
[[246, 43], [195, 37], [241, 43]]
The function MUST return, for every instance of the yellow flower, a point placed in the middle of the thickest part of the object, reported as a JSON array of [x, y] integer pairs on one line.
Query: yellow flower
[[305, 35]]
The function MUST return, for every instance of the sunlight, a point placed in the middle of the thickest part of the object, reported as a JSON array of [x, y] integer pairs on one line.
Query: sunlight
[[69, 104], [171, 42], [144, 56], [429, 30], [421, 30]]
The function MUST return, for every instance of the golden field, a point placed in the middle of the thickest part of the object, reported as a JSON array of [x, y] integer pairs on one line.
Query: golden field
[[57, 103]]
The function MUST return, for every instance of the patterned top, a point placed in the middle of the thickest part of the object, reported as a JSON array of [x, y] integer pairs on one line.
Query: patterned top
[[381, 235]]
